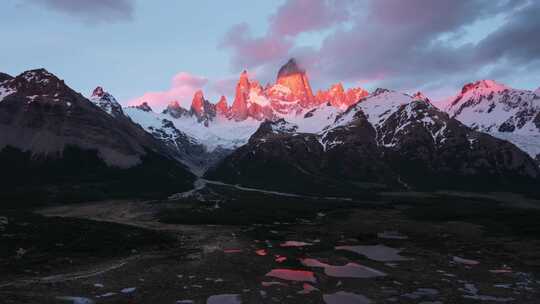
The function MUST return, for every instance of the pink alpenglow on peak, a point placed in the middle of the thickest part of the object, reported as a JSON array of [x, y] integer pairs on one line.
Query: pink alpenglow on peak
[[339, 98], [293, 77], [239, 109], [197, 104], [290, 96], [420, 96], [485, 86], [222, 108]]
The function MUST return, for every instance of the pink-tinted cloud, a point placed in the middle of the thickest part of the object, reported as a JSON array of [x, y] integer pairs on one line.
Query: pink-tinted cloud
[[249, 51], [291, 19], [225, 86], [412, 43], [298, 16], [183, 86]]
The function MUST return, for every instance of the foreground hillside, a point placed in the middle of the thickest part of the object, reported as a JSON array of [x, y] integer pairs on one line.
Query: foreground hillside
[[56, 145]]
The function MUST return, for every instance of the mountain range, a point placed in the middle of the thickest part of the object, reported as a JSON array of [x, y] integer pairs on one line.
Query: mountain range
[[56, 145], [281, 136]]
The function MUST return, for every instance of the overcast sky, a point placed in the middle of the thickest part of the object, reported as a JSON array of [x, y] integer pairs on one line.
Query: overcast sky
[[163, 50]]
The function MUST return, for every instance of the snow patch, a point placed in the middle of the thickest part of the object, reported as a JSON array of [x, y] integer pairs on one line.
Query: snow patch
[[5, 92], [259, 99], [128, 290], [465, 261]]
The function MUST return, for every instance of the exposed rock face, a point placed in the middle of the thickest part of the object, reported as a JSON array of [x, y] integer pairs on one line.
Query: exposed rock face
[[144, 107], [501, 111], [354, 95], [43, 118], [222, 108], [339, 98], [420, 96], [202, 108], [239, 109], [389, 140], [290, 96], [175, 110], [295, 79], [107, 102]]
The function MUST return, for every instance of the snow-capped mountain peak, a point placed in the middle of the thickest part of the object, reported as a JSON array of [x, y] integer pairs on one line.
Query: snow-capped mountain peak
[[144, 107], [175, 110], [500, 110], [106, 102], [483, 86], [98, 92], [420, 96], [41, 76]]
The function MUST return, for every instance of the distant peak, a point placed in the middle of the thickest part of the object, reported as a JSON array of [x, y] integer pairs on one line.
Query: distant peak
[[290, 68], [223, 99], [175, 109], [98, 92], [537, 92], [244, 78], [37, 75], [38, 71], [380, 91], [173, 105], [420, 96], [198, 96], [144, 107], [337, 86], [487, 84]]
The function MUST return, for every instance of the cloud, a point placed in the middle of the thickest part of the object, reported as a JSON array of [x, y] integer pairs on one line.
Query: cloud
[[91, 11], [183, 87], [299, 16], [291, 19], [409, 45], [516, 40], [249, 51], [225, 86]]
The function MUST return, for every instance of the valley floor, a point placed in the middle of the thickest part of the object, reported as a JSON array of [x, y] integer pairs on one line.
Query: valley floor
[[221, 244]]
